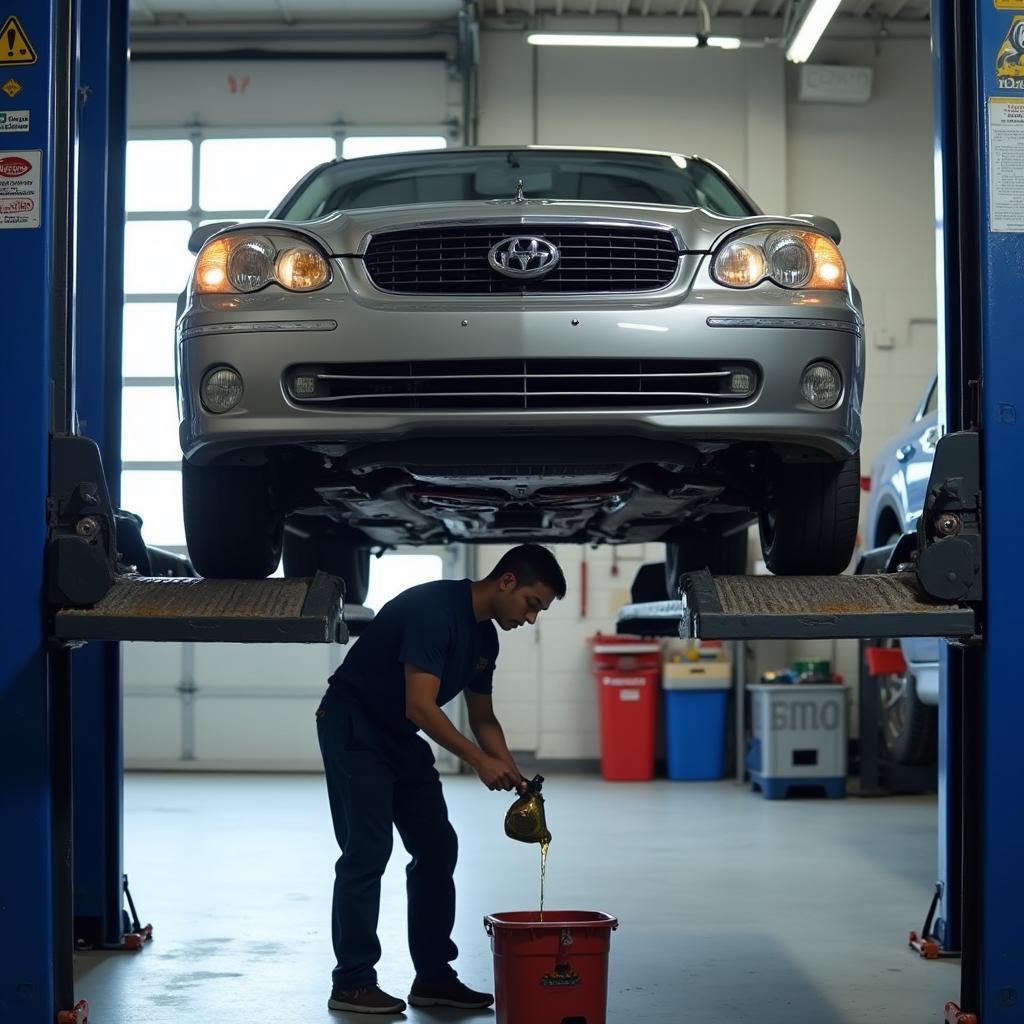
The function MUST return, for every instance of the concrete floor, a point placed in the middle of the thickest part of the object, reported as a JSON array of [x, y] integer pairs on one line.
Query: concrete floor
[[732, 910]]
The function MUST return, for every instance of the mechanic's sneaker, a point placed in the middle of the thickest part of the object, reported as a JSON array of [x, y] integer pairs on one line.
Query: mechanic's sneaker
[[450, 992], [368, 999]]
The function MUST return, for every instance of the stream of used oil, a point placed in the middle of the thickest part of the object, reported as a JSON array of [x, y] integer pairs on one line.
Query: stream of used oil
[[543, 869]]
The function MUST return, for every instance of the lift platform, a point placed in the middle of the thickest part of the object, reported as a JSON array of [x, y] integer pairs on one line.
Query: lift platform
[[929, 584], [806, 607], [166, 608], [93, 595]]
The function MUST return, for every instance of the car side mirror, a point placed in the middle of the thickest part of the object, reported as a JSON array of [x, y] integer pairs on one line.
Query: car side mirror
[[826, 225], [199, 237]]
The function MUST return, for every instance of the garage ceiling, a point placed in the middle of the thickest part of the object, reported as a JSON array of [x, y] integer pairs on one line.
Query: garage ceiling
[[289, 11]]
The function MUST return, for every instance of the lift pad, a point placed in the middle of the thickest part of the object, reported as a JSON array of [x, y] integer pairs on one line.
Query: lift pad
[[165, 608], [780, 607]]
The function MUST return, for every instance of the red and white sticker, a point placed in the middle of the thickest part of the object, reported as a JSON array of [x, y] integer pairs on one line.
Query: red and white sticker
[[20, 188]]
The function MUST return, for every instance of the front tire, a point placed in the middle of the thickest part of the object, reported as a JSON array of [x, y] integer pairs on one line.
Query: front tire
[[810, 524], [704, 549], [231, 527], [312, 543]]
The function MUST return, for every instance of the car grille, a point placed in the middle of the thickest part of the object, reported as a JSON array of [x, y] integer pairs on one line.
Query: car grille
[[551, 384], [452, 260]]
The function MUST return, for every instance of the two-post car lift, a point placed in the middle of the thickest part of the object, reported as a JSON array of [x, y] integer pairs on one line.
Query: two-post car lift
[[61, 203]]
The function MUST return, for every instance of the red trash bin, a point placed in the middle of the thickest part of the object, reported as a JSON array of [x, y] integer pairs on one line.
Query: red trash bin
[[627, 671], [550, 971]]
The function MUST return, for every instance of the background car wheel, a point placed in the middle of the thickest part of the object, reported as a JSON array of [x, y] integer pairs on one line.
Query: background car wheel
[[909, 727], [703, 549], [810, 525], [231, 527], [310, 545]]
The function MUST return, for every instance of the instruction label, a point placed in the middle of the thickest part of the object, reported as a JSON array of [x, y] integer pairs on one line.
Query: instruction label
[[14, 120], [1006, 164], [21, 174]]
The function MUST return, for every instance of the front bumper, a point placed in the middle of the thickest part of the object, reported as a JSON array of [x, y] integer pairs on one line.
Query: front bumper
[[780, 332]]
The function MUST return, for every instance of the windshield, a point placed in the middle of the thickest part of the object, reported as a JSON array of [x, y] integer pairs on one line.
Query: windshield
[[440, 177]]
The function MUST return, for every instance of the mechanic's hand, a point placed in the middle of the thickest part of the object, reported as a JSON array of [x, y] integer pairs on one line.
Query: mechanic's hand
[[497, 774]]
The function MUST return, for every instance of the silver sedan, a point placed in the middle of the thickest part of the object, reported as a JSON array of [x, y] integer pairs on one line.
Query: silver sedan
[[484, 345]]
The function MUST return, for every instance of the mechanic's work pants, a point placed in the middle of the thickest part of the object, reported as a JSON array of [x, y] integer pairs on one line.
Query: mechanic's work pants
[[376, 779]]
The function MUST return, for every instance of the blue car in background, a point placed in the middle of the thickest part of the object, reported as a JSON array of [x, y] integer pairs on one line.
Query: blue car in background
[[899, 481]]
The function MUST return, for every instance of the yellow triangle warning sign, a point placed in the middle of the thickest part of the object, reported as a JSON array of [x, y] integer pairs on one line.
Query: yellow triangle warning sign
[[14, 45]]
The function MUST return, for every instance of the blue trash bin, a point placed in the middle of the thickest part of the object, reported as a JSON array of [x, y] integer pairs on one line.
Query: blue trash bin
[[696, 703]]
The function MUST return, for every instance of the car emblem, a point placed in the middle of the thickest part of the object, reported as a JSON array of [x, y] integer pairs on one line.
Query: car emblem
[[524, 256]]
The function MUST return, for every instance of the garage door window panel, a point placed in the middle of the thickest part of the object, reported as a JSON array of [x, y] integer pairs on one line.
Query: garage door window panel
[[156, 257], [158, 175], [149, 417], [155, 494], [253, 174], [148, 339]]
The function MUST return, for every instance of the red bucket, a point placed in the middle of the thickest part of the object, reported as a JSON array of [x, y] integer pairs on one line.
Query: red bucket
[[553, 971]]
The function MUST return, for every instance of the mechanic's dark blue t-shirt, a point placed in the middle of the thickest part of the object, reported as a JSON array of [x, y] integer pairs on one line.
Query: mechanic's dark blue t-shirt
[[431, 626]]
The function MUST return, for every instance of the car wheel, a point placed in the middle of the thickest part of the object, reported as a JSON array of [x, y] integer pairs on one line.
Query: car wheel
[[231, 527], [810, 524], [703, 549], [310, 545], [909, 727]]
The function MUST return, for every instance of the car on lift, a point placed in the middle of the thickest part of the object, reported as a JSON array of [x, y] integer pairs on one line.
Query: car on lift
[[511, 344], [898, 484]]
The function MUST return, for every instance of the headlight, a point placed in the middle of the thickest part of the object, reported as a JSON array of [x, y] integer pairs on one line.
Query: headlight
[[791, 257], [302, 269], [247, 263], [251, 265]]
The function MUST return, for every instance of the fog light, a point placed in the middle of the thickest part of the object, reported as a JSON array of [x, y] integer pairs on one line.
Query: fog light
[[821, 385], [741, 382], [221, 389]]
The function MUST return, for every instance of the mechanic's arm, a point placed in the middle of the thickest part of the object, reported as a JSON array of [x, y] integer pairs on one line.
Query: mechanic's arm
[[421, 689], [488, 732]]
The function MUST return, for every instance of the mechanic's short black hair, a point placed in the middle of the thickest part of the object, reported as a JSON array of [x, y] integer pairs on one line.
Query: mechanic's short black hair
[[531, 563]]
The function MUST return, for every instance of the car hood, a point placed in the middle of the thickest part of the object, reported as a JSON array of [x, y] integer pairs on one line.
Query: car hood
[[697, 230]]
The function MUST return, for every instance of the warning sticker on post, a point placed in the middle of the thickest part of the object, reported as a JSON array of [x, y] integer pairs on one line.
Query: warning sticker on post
[[1005, 164], [21, 174]]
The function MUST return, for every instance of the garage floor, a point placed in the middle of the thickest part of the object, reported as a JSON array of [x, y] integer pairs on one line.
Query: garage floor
[[733, 910]]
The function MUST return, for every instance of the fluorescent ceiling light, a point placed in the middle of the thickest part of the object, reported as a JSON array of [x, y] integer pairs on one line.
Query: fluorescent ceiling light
[[607, 39], [628, 39], [811, 28]]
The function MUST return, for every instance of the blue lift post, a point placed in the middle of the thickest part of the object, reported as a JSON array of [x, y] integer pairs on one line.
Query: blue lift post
[[994, 826], [96, 693], [36, 971]]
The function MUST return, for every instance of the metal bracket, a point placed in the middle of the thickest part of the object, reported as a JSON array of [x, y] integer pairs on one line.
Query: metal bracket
[[82, 545], [949, 556]]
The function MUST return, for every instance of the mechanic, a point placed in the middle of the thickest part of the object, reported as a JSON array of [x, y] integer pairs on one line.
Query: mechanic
[[419, 651]]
